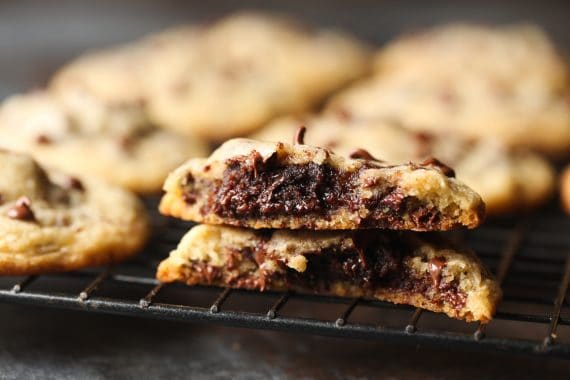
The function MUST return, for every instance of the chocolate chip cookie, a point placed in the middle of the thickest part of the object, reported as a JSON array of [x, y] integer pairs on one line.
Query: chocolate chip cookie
[[51, 222]]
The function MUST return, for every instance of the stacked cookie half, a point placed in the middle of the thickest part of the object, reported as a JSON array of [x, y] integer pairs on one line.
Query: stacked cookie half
[[296, 217]]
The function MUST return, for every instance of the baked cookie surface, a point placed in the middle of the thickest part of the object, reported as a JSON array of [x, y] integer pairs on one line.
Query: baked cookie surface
[[223, 79], [257, 184], [506, 83], [50, 222], [507, 180], [81, 135], [391, 266]]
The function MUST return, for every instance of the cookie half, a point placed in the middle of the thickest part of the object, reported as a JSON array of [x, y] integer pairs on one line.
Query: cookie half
[[507, 179], [84, 136], [51, 222], [399, 267], [277, 185]]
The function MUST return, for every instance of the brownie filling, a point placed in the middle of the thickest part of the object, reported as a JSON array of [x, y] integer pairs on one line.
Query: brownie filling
[[255, 188]]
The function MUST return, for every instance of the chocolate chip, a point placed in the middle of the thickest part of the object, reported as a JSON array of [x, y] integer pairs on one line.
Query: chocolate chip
[[188, 179], [189, 198], [435, 266], [22, 210], [449, 172], [343, 114], [300, 135], [363, 154], [125, 142], [43, 140], [74, 183]]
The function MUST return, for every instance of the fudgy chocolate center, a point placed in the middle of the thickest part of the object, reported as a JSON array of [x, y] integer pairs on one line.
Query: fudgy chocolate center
[[255, 188]]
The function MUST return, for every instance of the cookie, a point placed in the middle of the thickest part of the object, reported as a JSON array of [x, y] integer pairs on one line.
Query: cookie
[[79, 134], [508, 180], [50, 222], [278, 185], [117, 75], [565, 189], [403, 268], [224, 79], [506, 83]]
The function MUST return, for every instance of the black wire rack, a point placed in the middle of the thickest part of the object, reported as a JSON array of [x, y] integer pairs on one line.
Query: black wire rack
[[530, 256]]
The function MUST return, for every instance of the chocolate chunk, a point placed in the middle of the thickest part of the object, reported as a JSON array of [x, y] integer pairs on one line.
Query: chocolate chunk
[[435, 266], [363, 154], [22, 210], [43, 140], [75, 184], [189, 198], [300, 135], [449, 172], [125, 142], [343, 114]]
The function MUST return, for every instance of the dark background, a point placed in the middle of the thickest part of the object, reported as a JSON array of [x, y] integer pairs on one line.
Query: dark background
[[37, 37]]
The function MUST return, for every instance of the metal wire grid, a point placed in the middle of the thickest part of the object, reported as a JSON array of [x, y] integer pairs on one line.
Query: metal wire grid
[[530, 257]]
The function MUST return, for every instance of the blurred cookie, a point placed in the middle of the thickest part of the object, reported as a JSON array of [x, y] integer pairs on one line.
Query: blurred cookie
[[224, 79], [506, 180], [51, 222], [117, 75], [80, 135], [565, 188], [507, 83]]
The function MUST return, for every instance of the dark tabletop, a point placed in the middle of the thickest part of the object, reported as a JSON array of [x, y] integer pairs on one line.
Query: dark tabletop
[[37, 37], [45, 343]]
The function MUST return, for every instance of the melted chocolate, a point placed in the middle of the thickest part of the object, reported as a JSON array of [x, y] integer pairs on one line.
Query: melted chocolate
[[435, 266], [253, 187]]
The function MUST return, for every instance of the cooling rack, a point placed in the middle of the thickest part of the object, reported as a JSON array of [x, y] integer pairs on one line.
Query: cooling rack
[[530, 256]]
